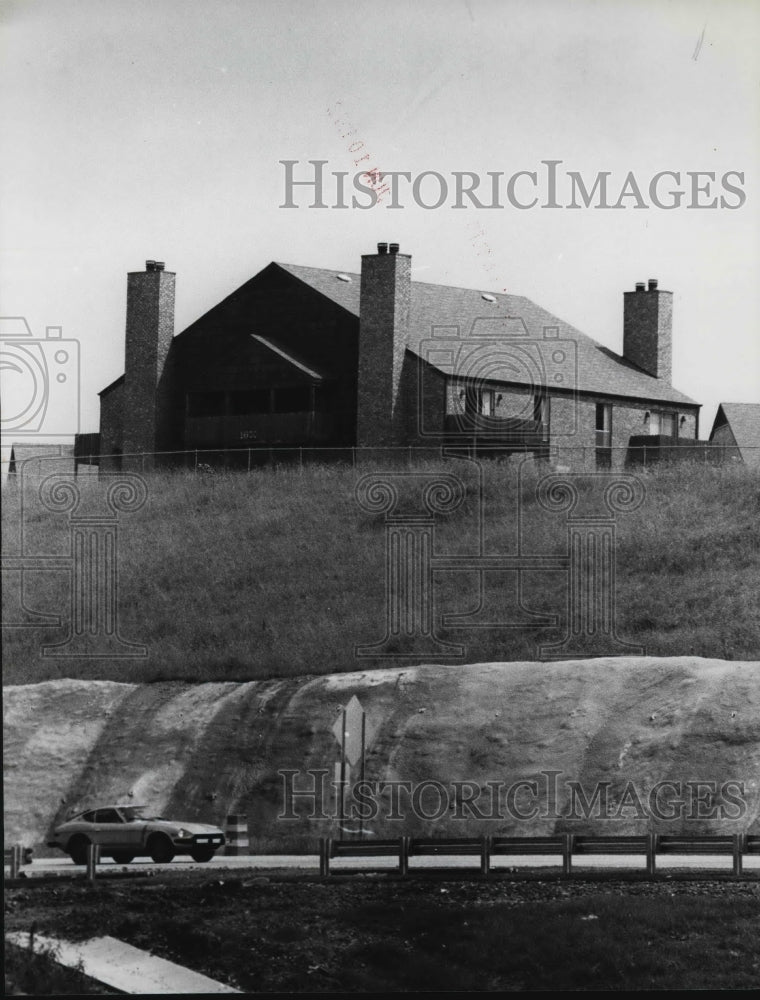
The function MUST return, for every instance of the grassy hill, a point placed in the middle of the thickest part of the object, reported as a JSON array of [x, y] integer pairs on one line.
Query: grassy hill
[[206, 750], [280, 573]]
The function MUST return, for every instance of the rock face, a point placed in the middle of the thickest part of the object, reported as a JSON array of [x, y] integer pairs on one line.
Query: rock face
[[615, 745]]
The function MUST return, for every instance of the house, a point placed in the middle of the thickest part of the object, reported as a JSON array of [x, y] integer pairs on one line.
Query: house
[[305, 357], [736, 429], [36, 461]]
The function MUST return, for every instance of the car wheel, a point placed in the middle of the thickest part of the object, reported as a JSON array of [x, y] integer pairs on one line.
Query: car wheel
[[202, 854], [78, 849], [161, 849], [122, 857]]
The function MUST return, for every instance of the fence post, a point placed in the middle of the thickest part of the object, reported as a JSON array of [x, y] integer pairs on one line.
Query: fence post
[[403, 855], [655, 845], [249, 459], [650, 854], [567, 854], [738, 846], [93, 857], [196, 460], [485, 855], [324, 857], [16, 855]]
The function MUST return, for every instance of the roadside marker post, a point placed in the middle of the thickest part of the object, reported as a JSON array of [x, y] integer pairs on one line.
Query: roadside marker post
[[236, 835], [93, 857]]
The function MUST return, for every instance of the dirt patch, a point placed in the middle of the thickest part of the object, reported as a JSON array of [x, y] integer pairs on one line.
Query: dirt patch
[[204, 751]]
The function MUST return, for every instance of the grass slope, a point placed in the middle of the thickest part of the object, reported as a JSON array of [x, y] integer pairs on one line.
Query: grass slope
[[280, 573]]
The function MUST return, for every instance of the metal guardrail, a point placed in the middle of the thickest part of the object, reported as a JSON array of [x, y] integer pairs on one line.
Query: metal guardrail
[[16, 857], [565, 847]]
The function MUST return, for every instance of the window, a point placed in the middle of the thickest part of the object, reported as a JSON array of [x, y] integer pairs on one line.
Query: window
[[668, 424], [603, 435], [660, 422], [292, 399], [603, 416], [603, 425], [250, 401], [205, 404], [478, 401], [107, 816], [541, 408]]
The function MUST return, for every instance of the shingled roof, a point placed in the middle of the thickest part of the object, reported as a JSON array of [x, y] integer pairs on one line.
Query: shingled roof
[[442, 314], [743, 420]]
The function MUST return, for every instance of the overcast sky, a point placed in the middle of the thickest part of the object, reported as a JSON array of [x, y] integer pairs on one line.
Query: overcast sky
[[137, 129]]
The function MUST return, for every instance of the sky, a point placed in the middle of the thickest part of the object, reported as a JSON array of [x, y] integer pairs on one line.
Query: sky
[[155, 129]]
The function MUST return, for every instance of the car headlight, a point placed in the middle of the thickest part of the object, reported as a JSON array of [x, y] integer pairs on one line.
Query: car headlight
[[183, 834]]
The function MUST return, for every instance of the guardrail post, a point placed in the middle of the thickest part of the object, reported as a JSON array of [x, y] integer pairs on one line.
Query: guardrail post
[[485, 856], [655, 846], [93, 857], [650, 853], [16, 856], [738, 846], [567, 854], [403, 855], [324, 857]]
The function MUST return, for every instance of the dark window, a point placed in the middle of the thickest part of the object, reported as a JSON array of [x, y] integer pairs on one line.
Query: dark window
[[107, 816], [603, 435], [88, 817], [293, 399], [250, 401], [205, 404], [603, 416], [478, 402]]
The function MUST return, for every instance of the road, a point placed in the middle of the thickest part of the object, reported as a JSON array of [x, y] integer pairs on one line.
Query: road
[[63, 866]]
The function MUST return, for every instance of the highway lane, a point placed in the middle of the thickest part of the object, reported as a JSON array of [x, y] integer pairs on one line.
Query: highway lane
[[719, 864]]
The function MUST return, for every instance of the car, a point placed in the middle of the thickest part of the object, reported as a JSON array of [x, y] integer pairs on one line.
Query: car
[[125, 832]]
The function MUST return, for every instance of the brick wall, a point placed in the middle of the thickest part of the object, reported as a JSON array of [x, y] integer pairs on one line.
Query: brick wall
[[628, 420], [111, 427], [647, 331], [382, 418], [150, 328]]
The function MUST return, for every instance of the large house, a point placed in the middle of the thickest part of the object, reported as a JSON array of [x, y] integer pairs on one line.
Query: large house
[[305, 357]]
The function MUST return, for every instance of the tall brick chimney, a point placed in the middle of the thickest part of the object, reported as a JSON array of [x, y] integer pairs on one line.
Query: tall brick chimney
[[647, 329], [386, 286], [150, 328]]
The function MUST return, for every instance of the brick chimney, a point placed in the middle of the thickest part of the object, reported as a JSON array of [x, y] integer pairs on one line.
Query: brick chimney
[[647, 329], [150, 328], [386, 286]]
